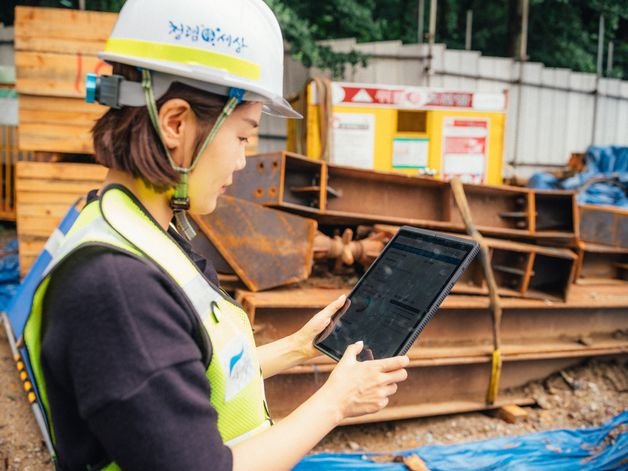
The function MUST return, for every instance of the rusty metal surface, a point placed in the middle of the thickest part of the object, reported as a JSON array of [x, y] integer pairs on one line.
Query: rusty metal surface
[[378, 195], [548, 328], [450, 363], [601, 264], [555, 213], [281, 179], [338, 195], [264, 247], [427, 391], [604, 225], [521, 270]]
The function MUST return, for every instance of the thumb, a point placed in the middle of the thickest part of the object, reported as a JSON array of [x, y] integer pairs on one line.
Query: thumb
[[352, 351]]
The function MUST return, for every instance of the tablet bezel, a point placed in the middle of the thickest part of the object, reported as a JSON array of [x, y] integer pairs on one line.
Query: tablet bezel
[[410, 339]]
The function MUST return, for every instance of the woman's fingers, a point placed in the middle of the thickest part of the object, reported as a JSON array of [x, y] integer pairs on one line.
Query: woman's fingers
[[396, 376], [391, 364]]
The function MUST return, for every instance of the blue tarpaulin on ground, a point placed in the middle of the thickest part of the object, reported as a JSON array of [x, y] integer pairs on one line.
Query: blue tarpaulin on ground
[[599, 448], [609, 164], [9, 274]]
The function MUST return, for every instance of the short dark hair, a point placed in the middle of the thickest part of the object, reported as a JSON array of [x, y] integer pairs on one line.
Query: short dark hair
[[125, 139]]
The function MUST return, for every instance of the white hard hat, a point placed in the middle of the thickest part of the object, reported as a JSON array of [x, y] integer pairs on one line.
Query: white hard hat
[[214, 45]]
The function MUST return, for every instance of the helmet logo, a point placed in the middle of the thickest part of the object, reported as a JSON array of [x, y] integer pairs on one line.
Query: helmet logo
[[213, 36]]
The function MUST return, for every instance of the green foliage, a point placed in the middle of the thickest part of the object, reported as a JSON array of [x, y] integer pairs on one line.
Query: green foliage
[[302, 36], [561, 33]]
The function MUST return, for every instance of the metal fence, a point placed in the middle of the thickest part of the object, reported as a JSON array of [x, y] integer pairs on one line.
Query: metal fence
[[551, 112]]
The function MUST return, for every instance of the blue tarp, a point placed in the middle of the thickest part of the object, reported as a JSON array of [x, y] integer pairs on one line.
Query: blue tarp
[[599, 448], [606, 163], [9, 274]]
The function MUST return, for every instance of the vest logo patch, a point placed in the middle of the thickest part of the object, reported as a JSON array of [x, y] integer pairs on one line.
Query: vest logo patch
[[238, 364]]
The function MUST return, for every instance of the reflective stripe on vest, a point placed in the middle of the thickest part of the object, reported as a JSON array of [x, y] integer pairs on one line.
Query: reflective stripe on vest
[[119, 222]]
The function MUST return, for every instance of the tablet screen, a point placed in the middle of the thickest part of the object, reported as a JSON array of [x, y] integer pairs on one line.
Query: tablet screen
[[397, 293]]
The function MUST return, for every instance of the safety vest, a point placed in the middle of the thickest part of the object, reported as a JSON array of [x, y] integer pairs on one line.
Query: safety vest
[[118, 221]]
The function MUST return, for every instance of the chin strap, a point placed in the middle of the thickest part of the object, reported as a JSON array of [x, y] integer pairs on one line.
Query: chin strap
[[180, 202]]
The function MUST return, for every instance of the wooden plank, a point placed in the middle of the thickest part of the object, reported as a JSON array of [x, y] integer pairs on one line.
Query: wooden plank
[[62, 30], [511, 413], [55, 186], [45, 192], [59, 138], [64, 171], [29, 197], [52, 74], [55, 110]]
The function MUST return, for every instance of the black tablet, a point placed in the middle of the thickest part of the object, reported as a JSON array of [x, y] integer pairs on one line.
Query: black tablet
[[398, 295]]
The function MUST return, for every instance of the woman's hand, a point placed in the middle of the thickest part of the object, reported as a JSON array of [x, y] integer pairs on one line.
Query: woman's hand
[[303, 339], [363, 387]]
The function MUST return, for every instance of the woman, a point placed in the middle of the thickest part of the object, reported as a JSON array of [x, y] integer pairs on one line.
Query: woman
[[141, 361]]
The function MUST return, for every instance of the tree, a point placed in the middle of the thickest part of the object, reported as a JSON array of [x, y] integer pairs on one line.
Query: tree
[[561, 33]]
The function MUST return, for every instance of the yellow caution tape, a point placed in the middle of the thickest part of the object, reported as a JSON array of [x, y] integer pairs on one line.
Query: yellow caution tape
[[184, 55], [496, 371]]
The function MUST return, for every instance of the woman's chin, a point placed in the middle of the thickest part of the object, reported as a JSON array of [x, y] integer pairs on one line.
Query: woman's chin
[[204, 207]]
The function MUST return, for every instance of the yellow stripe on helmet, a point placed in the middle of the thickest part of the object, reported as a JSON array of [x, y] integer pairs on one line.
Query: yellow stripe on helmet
[[184, 55]]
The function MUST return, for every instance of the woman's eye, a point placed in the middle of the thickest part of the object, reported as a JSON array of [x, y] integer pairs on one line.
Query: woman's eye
[[244, 139]]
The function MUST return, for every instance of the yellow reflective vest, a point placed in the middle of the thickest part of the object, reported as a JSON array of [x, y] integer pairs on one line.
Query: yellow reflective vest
[[118, 221]]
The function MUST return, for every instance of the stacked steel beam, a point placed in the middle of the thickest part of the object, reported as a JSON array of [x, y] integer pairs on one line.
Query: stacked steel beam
[[549, 322]]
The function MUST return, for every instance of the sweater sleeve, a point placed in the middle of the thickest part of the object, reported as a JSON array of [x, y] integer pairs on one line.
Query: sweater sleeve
[[121, 361]]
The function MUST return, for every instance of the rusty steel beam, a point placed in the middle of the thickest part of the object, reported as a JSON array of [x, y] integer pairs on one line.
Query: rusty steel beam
[[521, 270], [283, 180], [604, 225], [337, 195], [266, 248], [428, 391], [602, 264], [367, 196], [450, 364], [555, 214]]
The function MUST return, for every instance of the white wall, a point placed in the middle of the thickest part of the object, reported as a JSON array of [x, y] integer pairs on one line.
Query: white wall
[[557, 105]]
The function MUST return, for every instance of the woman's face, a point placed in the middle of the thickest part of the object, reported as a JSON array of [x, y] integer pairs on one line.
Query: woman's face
[[224, 156]]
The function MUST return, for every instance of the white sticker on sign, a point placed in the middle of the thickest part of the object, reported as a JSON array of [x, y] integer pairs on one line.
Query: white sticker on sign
[[410, 152], [353, 139], [465, 149]]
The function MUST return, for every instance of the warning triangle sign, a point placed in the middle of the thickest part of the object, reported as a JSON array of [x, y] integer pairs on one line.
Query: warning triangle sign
[[362, 97]]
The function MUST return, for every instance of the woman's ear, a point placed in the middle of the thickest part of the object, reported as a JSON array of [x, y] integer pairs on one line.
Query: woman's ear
[[176, 120]]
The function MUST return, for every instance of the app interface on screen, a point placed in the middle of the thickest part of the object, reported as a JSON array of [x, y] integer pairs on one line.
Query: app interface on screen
[[396, 295]]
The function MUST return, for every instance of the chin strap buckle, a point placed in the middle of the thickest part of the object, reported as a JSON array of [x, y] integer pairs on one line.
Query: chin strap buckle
[[180, 203]]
